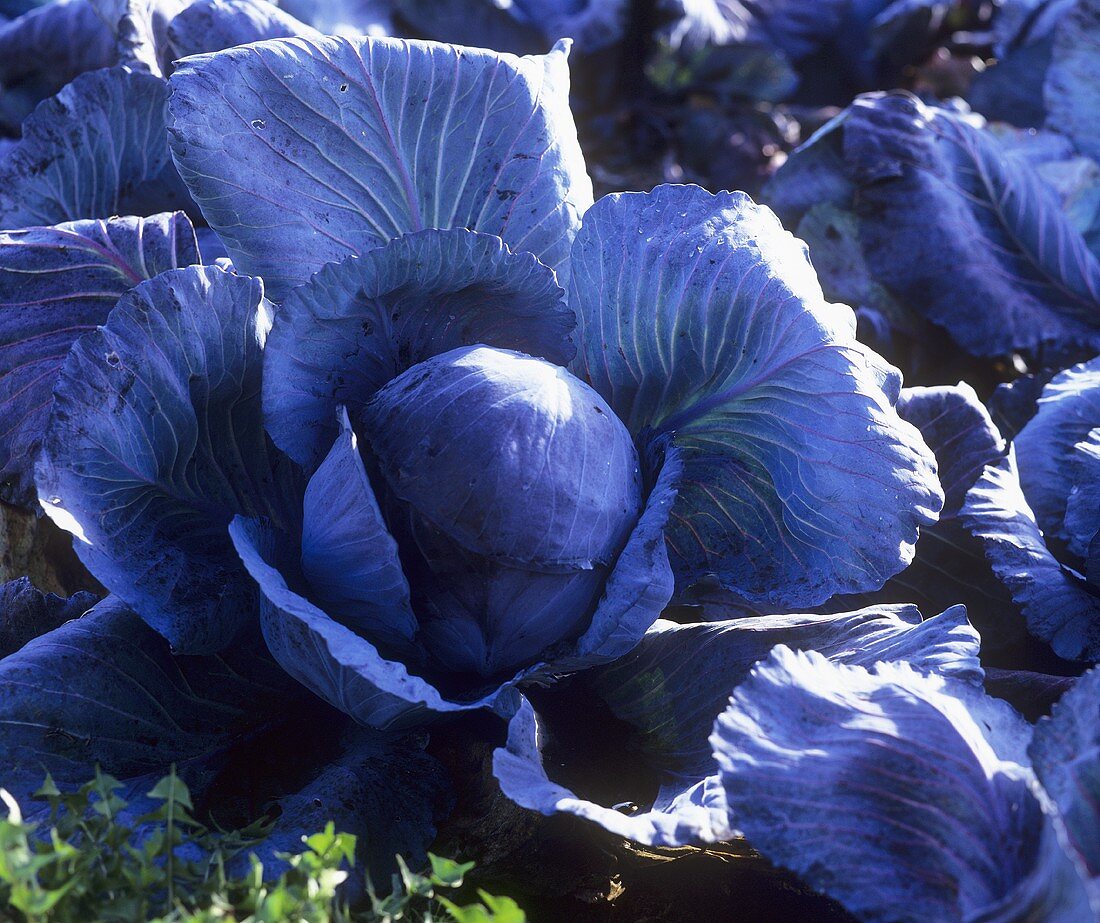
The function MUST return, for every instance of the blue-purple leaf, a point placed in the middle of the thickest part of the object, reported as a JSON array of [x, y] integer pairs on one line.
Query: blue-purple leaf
[[43, 50], [1060, 607], [1067, 410], [1065, 750], [700, 318], [57, 283], [669, 688], [373, 138], [96, 149], [156, 442], [106, 690], [355, 325], [26, 612], [212, 25], [885, 791]]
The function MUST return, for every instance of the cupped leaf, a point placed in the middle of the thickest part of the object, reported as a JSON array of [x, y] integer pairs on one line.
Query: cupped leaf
[[349, 558], [43, 50], [26, 612], [958, 429], [949, 566], [213, 25], [57, 283], [830, 769], [156, 442], [373, 138], [1059, 606], [669, 688], [356, 325], [96, 149], [342, 667], [1065, 751], [641, 583], [700, 318], [1067, 411], [106, 690]]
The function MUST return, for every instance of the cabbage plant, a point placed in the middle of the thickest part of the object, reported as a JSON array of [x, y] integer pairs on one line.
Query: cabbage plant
[[518, 496], [1036, 513], [432, 430], [919, 213]]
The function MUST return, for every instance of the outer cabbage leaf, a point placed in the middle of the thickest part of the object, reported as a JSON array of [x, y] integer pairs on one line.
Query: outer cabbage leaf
[[954, 230], [958, 429], [1072, 88], [106, 690], [57, 283], [1065, 751], [26, 612], [694, 816], [930, 186], [949, 566], [96, 149], [1067, 410], [700, 318], [669, 688], [45, 49], [831, 769], [358, 324], [373, 138], [1059, 606], [211, 25], [156, 442]]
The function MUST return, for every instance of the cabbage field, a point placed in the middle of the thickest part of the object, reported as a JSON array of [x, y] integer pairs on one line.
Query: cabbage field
[[650, 450]]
